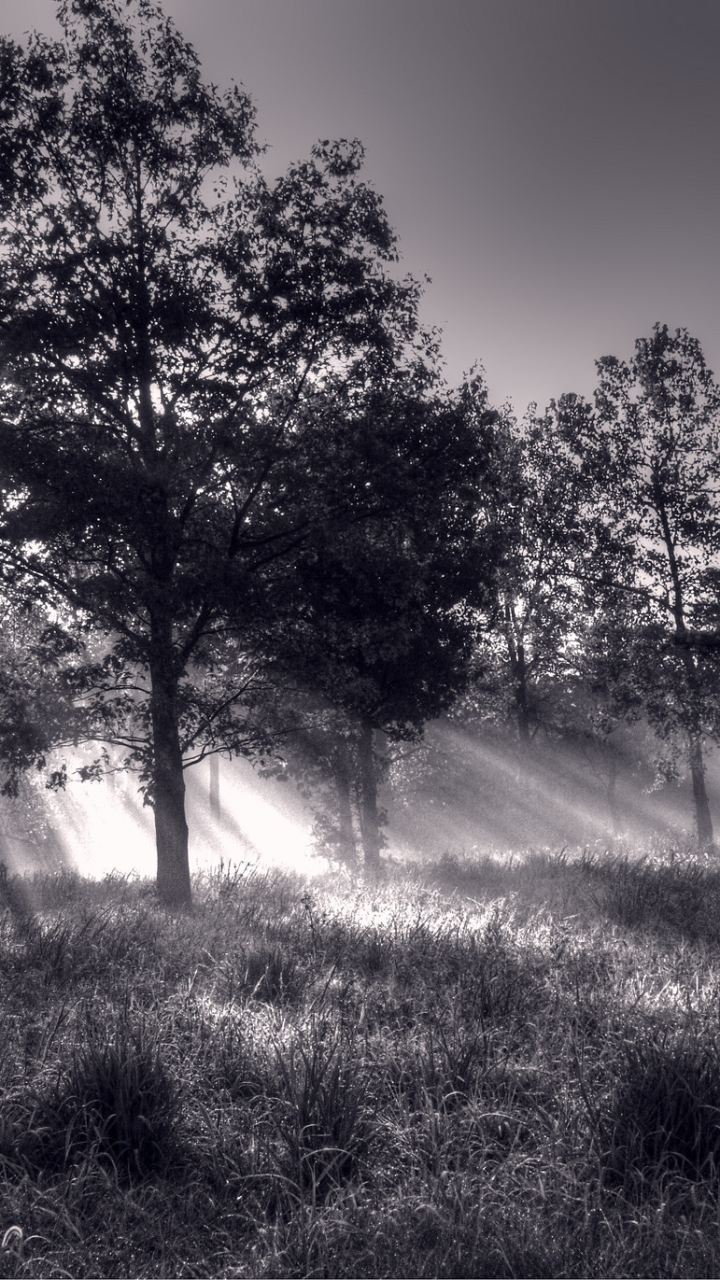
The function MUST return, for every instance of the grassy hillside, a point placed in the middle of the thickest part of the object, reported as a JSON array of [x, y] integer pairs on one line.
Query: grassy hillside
[[475, 1068]]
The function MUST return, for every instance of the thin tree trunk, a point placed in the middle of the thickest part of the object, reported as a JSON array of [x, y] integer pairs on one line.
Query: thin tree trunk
[[518, 670], [703, 818], [368, 799], [171, 829], [521, 699], [215, 811]]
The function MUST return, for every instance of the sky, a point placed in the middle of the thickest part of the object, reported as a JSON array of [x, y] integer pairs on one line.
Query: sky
[[551, 165]]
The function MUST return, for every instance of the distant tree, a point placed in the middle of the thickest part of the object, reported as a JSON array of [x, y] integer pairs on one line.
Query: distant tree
[[37, 712], [540, 600], [649, 452], [169, 322], [601, 713]]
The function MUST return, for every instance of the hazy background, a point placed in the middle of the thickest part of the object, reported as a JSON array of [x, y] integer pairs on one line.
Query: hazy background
[[551, 164]]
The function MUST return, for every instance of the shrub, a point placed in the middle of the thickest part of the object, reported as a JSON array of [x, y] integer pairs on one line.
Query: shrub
[[271, 974]]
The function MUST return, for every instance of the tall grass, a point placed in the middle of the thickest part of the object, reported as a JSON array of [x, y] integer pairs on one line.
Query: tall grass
[[479, 1067]]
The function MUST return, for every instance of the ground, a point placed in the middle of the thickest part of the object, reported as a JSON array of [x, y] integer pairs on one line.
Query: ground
[[480, 1066]]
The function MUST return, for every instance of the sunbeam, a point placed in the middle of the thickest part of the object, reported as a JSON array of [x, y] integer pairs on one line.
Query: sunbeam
[[100, 827], [258, 818]]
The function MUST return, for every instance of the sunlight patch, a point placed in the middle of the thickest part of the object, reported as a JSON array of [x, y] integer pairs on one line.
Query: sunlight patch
[[258, 818], [103, 827]]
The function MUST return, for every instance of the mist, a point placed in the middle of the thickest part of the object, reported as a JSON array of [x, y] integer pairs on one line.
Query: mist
[[457, 793], [483, 793], [97, 828]]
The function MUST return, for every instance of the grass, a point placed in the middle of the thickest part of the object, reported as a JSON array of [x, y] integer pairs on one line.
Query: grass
[[478, 1067]]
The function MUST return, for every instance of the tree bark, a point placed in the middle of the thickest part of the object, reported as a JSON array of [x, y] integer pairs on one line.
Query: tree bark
[[369, 827], [703, 817], [348, 849], [171, 829]]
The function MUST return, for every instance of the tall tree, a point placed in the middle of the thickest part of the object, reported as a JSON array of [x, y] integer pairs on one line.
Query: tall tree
[[528, 652], [383, 621], [168, 322], [649, 450]]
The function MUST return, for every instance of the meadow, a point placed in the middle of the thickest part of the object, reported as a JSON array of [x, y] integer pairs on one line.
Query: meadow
[[473, 1067]]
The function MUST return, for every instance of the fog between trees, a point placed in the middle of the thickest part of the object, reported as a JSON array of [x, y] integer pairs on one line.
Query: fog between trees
[[242, 513]]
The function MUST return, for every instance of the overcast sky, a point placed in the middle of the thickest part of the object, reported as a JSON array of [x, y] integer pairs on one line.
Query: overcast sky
[[552, 165]]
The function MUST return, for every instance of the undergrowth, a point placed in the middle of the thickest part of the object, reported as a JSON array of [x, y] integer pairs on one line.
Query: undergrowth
[[478, 1067]]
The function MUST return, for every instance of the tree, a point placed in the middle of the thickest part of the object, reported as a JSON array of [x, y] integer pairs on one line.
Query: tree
[[382, 624], [602, 710], [169, 325], [649, 452], [528, 653]]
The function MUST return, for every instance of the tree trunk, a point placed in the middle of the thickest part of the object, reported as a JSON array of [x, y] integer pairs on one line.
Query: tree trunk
[[702, 804], [368, 799], [171, 829], [703, 819], [215, 811], [348, 850], [518, 669]]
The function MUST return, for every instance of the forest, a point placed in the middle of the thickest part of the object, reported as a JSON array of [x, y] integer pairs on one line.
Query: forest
[[244, 516]]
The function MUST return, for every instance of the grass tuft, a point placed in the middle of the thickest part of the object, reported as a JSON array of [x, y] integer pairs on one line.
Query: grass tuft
[[114, 1104], [664, 1121], [322, 1123]]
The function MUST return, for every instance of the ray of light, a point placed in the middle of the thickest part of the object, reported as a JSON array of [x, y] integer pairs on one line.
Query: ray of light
[[258, 818], [99, 827], [103, 827], [493, 799]]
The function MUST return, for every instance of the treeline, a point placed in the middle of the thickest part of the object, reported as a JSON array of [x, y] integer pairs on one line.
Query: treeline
[[242, 512]]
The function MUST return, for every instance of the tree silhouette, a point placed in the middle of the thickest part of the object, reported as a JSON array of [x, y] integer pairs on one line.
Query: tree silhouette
[[528, 651], [649, 450], [380, 623], [169, 325]]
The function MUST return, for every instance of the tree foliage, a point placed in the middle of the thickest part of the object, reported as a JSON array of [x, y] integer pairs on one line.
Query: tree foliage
[[539, 602], [649, 452], [170, 326], [236, 500], [381, 621]]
